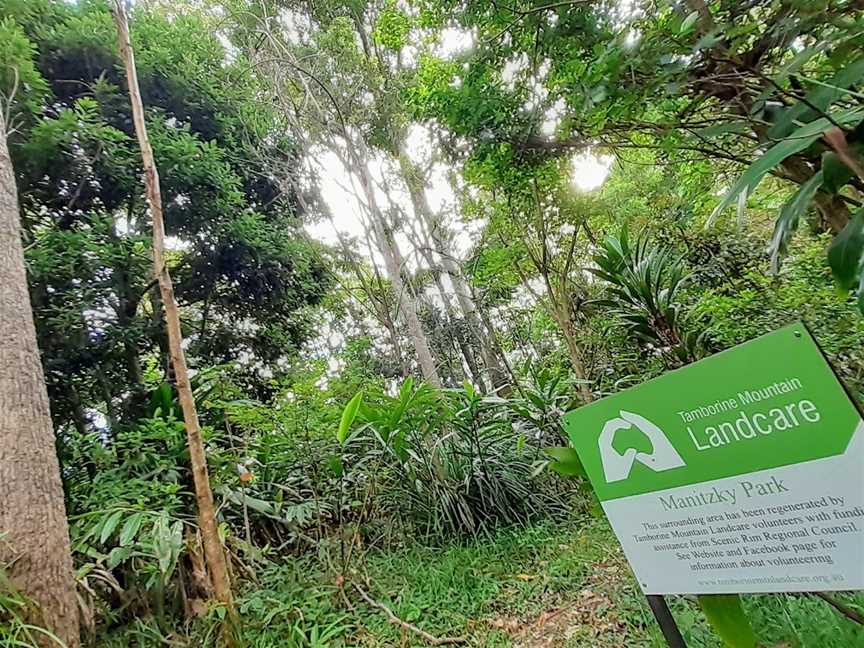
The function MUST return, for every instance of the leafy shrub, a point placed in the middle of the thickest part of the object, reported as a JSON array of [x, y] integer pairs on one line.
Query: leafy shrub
[[130, 521], [645, 285], [451, 462], [758, 303], [540, 404]]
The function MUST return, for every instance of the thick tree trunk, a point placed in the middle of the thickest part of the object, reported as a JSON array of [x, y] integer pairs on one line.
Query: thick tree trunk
[[34, 537], [213, 550]]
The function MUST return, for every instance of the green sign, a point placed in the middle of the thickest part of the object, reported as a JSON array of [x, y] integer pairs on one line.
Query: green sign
[[741, 472]]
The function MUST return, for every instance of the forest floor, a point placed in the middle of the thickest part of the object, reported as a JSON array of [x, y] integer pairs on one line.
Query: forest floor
[[549, 585], [562, 586]]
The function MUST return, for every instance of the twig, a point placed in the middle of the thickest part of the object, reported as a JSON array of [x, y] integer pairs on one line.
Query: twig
[[431, 639], [841, 607]]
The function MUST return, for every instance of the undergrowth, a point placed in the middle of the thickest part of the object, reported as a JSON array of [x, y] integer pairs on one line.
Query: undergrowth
[[548, 584]]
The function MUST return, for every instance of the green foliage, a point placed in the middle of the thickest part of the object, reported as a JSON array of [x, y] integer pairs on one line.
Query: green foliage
[[539, 406], [494, 591], [566, 462], [846, 253], [795, 129], [727, 617], [450, 463], [745, 307], [21, 84], [790, 215], [328, 461], [348, 416], [645, 285], [797, 141], [244, 270], [391, 29]]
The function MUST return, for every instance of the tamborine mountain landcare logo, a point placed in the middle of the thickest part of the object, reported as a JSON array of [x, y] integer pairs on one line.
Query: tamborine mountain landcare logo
[[617, 466]]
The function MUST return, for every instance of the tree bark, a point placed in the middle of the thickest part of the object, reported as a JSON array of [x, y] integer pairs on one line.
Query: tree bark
[[393, 264], [417, 192], [34, 537], [573, 350], [213, 549]]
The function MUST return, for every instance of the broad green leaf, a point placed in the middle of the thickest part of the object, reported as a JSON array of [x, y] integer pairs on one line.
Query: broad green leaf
[[406, 389], [835, 173], [335, 465], [177, 537], [110, 525], [162, 543], [797, 141], [846, 251], [689, 21], [469, 389], [348, 416], [790, 216], [727, 617], [565, 462], [820, 98], [254, 503], [741, 210], [130, 528], [161, 400], [708, 41], [861, 292], [117, 556]]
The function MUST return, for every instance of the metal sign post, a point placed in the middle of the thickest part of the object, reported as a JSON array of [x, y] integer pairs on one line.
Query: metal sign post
[[666, 621]]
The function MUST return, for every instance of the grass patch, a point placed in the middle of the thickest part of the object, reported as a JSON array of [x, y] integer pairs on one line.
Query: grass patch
[[564, 585]]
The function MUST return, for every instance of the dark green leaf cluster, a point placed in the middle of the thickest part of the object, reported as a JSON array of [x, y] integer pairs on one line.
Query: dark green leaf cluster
[[646, 281], [245, 272]]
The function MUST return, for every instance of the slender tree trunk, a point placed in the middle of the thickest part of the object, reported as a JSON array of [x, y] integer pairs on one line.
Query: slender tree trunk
[[573, 350], [388, 316], [491, 342], [34, 537], [408, 306], [482, 328], [393, 264], [213, 550], [424, 245], [381, 310], [417, 192]]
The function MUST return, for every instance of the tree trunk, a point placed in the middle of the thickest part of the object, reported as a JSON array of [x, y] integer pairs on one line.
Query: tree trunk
[[34, 537], [573, 350], [393, 264], [213, 550], [417, 192], [493, 347], [424, 246]]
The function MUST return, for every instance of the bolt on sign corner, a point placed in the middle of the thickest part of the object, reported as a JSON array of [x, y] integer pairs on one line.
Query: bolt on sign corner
[[743, 472]]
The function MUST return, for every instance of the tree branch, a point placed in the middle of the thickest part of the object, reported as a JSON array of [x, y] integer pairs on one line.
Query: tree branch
[[431, 639]]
